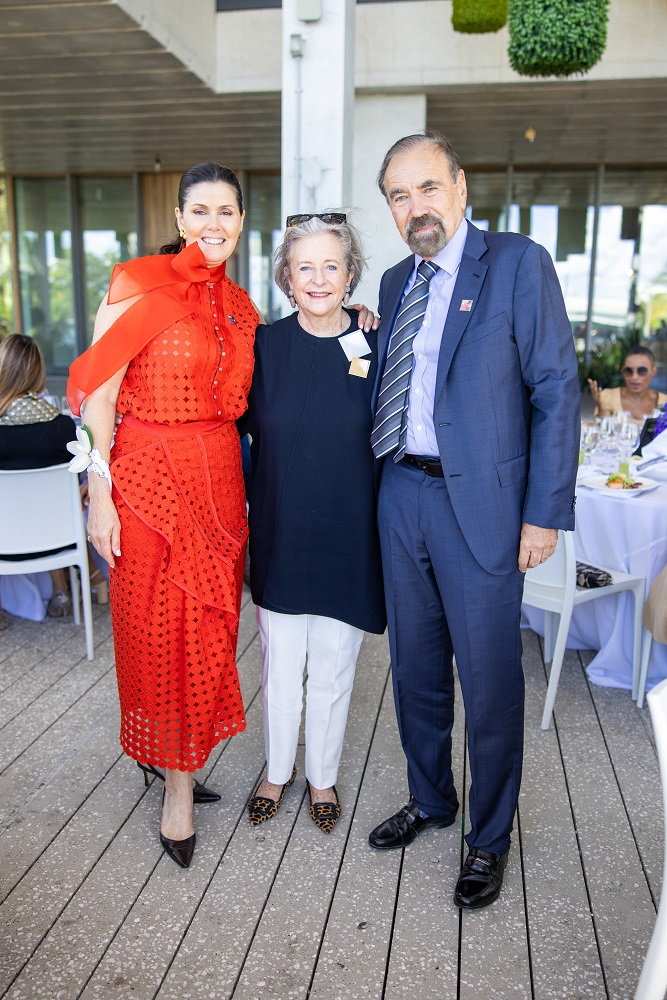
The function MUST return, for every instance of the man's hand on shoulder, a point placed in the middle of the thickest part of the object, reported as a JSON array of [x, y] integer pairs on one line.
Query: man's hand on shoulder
[[536, 545]]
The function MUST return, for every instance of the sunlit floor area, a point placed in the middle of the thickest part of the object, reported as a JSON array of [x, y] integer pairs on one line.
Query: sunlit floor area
[[92, 908]]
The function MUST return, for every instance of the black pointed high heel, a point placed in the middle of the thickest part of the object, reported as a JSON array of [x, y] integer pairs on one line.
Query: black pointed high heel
[[180, 851], [200, 793]]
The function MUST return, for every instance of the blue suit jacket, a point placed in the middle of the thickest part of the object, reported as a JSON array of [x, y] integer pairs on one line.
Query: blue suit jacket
[[507, 404]]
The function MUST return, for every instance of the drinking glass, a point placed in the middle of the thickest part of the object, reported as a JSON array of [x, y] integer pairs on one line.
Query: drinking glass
[[587, 443]]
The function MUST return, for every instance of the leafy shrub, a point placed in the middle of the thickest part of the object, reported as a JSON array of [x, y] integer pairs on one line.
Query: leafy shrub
[[556, 37], [478, 16]]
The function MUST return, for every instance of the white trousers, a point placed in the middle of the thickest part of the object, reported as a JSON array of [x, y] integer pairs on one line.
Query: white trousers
[[330, 648]]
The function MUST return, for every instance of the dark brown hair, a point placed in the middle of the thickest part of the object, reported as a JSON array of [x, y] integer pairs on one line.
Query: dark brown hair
[[202, 173], [425, 138]]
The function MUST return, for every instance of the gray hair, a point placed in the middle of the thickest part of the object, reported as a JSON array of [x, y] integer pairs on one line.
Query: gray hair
[[425, 138], [350, 242]]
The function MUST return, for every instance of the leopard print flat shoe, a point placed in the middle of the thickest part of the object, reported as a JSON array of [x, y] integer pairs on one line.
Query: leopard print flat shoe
[[260, 808], [325, 815]]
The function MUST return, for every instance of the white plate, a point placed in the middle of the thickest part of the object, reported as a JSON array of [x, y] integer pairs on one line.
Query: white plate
[[600, 483]]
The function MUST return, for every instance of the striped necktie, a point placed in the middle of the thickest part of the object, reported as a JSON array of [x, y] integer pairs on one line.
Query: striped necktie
[[391, 419]]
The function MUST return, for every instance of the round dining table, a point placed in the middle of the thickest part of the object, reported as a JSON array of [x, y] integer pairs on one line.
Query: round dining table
[[616, 530]]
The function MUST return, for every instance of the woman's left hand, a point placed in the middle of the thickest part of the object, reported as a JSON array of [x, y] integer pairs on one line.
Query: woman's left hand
[[367, 319]]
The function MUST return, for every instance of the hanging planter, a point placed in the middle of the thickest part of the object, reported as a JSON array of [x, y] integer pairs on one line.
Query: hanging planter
[[479, 16], [556, 37]]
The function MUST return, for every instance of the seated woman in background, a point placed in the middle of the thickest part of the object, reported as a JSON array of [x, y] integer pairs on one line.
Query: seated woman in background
[[33, 435], [634, 397], [314, 552]]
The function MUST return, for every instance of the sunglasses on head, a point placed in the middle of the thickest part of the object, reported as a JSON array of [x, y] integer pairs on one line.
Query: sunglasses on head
[[331, 218], [641, 371]]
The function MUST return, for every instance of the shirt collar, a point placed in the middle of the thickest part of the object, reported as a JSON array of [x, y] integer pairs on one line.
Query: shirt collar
[[449, 257]]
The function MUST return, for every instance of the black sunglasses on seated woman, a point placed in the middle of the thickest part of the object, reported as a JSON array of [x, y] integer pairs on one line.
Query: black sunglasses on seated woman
[[331, 218], [641, 371]]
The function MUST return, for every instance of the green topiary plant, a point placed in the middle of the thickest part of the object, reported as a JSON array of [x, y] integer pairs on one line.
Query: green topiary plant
[[478, 16], [556, 37]]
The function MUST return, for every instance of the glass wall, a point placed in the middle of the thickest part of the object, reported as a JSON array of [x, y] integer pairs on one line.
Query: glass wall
[[265, 233], [631, 274], [554, 209], [45, 267], [7, 323], [109, 232], [70, 233], [557, 210], [487, 194]]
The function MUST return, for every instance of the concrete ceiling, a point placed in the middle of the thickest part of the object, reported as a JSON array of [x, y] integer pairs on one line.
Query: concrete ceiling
[[576, 122], [84, 88]]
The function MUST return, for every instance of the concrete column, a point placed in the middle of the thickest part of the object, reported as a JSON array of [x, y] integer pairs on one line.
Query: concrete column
[[378, 122], [317, 106]]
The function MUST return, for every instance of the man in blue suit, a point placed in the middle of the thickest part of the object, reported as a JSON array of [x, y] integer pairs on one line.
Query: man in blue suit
[[477, 429]]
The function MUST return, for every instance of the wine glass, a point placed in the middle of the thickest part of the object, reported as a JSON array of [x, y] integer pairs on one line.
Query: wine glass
[[587, 443], [627, 439]]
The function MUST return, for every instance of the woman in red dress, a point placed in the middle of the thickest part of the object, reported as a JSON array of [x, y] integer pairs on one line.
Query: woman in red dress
[[173, 353]]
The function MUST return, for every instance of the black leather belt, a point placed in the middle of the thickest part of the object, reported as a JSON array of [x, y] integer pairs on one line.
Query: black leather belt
[[431, 466]]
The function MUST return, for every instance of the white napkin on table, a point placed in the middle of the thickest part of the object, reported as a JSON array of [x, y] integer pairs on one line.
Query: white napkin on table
[[657, 448]]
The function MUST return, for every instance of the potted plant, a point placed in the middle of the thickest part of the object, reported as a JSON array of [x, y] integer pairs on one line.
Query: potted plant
[[479, 16], [556, 37]]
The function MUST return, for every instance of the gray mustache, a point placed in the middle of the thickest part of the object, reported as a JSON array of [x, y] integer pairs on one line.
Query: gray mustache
[[424, 220]]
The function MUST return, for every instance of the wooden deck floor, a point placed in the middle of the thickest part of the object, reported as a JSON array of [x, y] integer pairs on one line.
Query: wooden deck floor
[[92, 908]]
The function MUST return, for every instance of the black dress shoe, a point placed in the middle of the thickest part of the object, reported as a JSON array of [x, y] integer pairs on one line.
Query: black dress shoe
[[480, 880], [180, 851], [402, 828], [200, 793]]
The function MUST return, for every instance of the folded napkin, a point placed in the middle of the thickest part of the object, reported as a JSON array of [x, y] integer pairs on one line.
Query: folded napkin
[[657, 448]]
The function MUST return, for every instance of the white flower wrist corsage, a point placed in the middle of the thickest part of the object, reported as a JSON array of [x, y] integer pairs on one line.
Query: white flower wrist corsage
[[87, 457]]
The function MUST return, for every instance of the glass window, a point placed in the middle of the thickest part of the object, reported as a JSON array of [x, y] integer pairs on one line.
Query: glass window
[[108, 222], [265, 233], [557, 211], [45, 267], [7, 324], [631, 274], [486, 200]]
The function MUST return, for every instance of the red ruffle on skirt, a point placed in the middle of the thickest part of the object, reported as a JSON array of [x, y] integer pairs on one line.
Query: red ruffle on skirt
[[175, 592]]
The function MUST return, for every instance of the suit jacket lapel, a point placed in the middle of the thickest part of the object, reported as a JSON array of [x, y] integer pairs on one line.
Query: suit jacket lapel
[[469, 281]]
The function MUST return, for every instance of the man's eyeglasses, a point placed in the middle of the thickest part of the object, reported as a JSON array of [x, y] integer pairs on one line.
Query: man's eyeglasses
[[641, 371], [331, 218]]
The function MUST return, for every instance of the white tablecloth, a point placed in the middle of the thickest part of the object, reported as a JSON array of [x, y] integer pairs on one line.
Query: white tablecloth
[[626, 533]]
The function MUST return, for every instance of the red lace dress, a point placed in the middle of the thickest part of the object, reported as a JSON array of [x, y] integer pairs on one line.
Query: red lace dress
[[178, 489]]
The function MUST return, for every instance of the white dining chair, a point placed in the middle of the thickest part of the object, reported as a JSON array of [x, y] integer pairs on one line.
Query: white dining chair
[[553, 587], [41, 511], [653, 980]]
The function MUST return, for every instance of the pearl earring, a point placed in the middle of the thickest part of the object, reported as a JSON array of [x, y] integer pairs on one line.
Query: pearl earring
[[347, 295], [292, 300]]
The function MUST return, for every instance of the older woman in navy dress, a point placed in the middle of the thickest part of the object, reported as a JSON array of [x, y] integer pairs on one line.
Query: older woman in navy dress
[[314, 552]]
